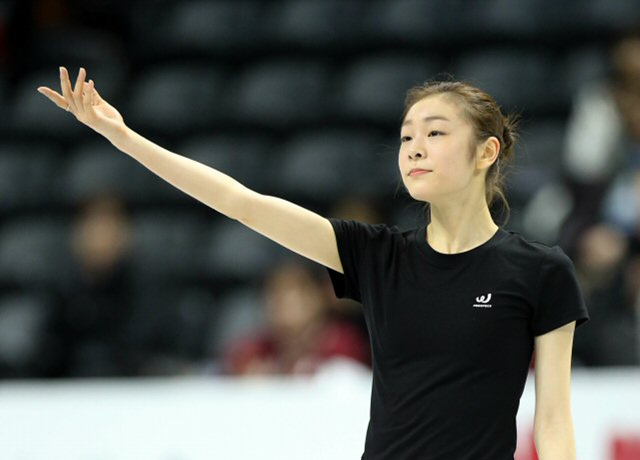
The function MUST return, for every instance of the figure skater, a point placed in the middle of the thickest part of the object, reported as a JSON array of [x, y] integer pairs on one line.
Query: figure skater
[[454, 308]]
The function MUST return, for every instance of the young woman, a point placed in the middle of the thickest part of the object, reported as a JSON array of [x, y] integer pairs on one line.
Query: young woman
[[454, 308]]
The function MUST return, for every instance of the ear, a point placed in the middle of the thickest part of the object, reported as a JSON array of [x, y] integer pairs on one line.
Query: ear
[[487, 153]]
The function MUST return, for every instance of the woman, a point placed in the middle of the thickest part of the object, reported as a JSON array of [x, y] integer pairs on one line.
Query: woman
[[454, 308]]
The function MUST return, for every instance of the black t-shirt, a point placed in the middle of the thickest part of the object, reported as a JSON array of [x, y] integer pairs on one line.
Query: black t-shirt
[[451, 335]]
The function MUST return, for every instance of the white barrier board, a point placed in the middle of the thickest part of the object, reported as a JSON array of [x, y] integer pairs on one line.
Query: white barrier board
[[319, 418]]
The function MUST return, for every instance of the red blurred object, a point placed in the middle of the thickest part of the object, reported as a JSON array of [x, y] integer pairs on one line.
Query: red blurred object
[[625, 447], [527, 448], [260, 353]]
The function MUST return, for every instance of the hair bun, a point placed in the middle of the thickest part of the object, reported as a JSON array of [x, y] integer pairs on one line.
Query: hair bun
[[509, 135], [506, 136]]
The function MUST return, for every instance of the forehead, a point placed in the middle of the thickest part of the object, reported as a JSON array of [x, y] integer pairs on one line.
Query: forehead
[[442, 105]]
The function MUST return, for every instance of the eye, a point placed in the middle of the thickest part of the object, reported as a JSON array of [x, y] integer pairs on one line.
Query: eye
[[435, 133], [405, 138]]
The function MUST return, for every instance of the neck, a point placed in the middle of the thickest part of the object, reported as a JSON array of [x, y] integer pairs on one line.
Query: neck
[[460, 227]]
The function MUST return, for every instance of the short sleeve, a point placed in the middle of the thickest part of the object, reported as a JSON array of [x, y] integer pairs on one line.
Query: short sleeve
[[560, 299], [361, 246], [350, 236]]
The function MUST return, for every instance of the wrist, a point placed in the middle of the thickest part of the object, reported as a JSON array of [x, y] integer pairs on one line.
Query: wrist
[[121, 137]]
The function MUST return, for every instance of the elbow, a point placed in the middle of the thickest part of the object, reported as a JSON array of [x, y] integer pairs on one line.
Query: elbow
[[241, 206], [553, 414], [544, 423]]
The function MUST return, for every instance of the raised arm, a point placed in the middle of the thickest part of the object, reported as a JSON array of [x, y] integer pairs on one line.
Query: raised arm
[[286, 223]]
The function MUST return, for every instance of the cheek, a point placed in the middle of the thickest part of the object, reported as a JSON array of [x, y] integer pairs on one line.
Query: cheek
[[402, 162]]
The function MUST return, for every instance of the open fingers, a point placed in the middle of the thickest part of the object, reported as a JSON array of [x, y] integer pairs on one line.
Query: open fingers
[[56, 98], [67, 92], [87, 97], [91, 88], [78, 90]]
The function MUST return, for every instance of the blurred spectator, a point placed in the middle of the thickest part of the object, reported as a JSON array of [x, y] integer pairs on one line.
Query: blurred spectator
[[300, 334], [602, 155], [594, 211], [622, 203], [93, 318], [600, 258], [612, 337]]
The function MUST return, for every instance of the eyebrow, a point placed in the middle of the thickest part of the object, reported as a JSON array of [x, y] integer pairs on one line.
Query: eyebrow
[[431, 118]]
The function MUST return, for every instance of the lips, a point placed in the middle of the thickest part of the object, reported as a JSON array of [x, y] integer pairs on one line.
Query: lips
[[416, 171]]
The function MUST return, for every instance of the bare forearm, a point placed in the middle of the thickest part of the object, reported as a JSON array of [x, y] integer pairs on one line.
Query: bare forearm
[[209, 186], [555, 441]]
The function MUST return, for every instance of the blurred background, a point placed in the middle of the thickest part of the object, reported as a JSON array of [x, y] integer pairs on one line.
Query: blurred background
[[108, 272]]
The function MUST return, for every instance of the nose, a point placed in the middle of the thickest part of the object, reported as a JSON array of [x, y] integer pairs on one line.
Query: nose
[[415, 154]]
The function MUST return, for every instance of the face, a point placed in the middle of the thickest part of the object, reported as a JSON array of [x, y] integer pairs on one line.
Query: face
[[293, 301], [436, 138]]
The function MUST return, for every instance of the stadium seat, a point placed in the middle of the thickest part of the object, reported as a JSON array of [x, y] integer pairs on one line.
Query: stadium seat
[[99, 168], [195, 308], [241, 311], [100, 53], [233, 252], [34, 252], [414, 22], [449, 23], [519, 80], [4, 98], [486, 20], [318, 24], [537, 160], [572, 20], [242, 155], [175, 99], [169, 328], [374, 87], [195, 28], [323, 165], [280, 92], [24, 320], [27, 173], [165, 245], [608, 16], [585, 65], [299, 99]]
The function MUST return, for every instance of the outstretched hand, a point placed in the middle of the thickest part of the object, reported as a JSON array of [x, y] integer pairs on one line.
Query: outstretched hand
[[85, 103]]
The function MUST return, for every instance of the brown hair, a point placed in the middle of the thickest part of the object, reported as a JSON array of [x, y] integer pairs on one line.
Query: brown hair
[[484, 113]]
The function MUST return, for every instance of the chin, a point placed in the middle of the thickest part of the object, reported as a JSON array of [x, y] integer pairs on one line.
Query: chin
[[420, 195], [422, 199]]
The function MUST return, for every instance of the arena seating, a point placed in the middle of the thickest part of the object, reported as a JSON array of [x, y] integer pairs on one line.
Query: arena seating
[[298, 98]]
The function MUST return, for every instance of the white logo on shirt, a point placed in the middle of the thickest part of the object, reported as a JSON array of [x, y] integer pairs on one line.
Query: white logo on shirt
[[483, 302]]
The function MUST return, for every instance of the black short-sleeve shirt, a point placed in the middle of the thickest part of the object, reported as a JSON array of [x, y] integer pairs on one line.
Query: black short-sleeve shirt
[[451, 335]]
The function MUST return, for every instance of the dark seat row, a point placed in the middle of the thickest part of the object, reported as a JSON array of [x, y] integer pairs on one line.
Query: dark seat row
[[179, 98], [42, 334], [167, 247], [226, 27]]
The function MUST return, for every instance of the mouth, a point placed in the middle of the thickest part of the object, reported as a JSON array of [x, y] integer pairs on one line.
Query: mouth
[[418, 171]]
